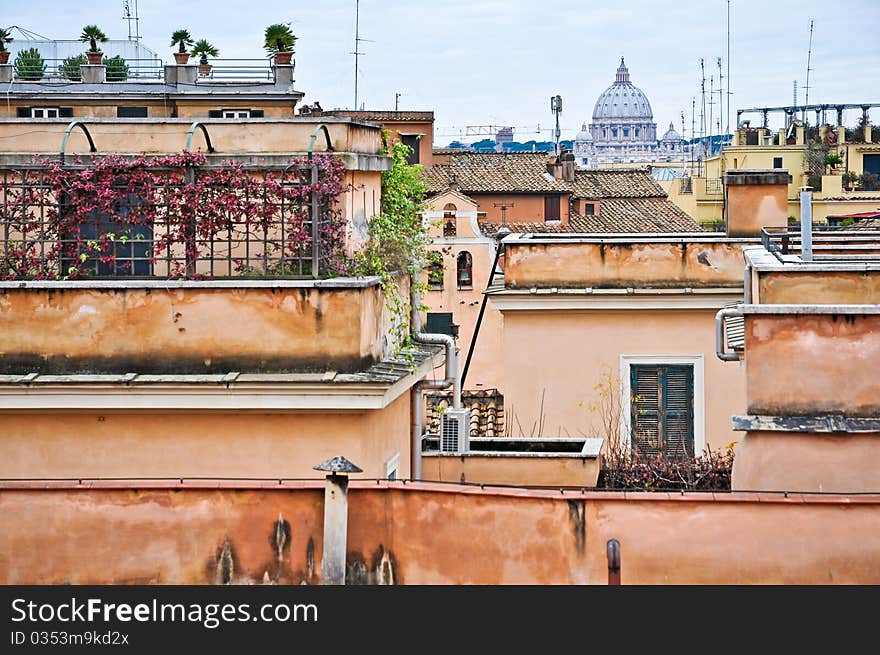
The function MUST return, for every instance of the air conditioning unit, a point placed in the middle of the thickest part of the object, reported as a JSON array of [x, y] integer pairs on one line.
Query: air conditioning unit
[[455, 430]]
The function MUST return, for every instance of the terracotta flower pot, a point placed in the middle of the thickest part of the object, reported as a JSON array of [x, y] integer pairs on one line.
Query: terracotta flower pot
[[4, 56], [95, 57], [204, 70], [283, 58], [181, 58]]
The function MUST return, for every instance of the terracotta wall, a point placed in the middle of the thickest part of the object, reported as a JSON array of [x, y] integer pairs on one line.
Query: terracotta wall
[[513, 469], [553, 359], [813, 364], [426, 534], [751, 207], [623, 264], [228, 137], [822, 288], [186, 444], [426, 142], [188, 328], [522, 208]]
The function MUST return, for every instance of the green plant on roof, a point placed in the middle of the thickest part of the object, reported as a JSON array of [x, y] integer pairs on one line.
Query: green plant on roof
[[5, 37], [29, 64], [182, 39], [117, 69], [279, 38], [832, 159], [202, 49], [70, 67], [93, 35]]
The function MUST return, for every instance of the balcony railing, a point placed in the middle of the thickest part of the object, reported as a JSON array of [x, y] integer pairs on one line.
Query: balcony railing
[[829, 243], [190, 221], [230, 70]]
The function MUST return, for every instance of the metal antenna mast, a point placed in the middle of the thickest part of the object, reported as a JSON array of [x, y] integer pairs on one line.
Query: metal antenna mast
[[711, 107], [556, 108], [720, 97], [807, 85], [127, 6], [357, 53], [727, 127], [702, 100]]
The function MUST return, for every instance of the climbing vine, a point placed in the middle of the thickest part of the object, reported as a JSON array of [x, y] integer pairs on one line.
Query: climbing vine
[[118, 213], [397, 239]]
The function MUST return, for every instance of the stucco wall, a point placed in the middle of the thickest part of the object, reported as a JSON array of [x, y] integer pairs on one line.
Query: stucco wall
[[522, 208], [533, 471], [187, 444], [803, 461], [555, 358], [188, 329], [426, 534], [623, 264], [834, 288], [813, 364]]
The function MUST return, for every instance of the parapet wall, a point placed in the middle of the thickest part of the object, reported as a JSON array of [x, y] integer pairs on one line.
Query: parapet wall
[[421, 533]]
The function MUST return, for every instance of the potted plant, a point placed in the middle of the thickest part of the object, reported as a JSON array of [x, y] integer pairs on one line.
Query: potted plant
[[117, 69], [833, 160], [182, 39], [29, 64], [202, 49], [279, 42], [5, 37], [70, 68], [93, 35], [849, 180]]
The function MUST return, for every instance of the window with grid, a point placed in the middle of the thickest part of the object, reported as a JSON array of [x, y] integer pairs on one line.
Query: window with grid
[[662, 417]]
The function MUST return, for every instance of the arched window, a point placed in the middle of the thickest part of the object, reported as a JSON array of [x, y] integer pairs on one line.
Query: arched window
[[435, 270], [449, 229], [465, 270]]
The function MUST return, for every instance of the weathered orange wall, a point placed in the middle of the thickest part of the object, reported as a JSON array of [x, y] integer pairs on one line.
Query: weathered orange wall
[[169, 135], [827, 287], [522, 208], [185, 444], [751, 207], [426, 140], [163, 108], [813, 364], [533, 471], [435, 534], [803, 461], [591, 264], [554, 358], [189, 328]]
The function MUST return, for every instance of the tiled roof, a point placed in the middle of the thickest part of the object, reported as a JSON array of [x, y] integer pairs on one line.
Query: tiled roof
[[495, 172], [383, 116], [487, 411], [621, 215], [865, 224], [616, 183], [636, 215]]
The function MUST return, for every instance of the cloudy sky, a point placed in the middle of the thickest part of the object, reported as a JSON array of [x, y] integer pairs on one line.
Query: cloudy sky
[[487, 62]]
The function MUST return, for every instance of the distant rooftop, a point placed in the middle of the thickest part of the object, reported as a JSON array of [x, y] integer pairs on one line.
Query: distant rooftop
[[382, 116]]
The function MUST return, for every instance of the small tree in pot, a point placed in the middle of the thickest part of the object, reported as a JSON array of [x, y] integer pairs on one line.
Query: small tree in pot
[[279, 42], [93, 35], [202, 49], [5, 37], [29, 64], [181, 39]]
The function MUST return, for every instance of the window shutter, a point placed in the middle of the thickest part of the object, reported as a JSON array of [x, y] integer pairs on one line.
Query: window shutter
[[678, 411], [215, 113], [645, 391], [256, 113], [23, 112], [551, 208], [65, 112], [131, 112]]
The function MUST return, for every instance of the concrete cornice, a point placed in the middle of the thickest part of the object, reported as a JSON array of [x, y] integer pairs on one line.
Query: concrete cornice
[[615, 299], [202, 393], [162, 284]]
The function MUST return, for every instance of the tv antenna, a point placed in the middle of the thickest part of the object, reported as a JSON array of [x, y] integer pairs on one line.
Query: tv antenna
[[357, 53], [130, 14], [556, 108], [807, 85], [727, 128], [504, 206]]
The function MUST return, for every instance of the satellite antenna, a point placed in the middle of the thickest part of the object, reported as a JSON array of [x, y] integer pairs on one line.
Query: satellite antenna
[[130, 14]]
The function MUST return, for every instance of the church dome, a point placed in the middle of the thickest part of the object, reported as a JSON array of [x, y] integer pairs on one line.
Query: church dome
[[584, 134], [623, 99], [671, 134]]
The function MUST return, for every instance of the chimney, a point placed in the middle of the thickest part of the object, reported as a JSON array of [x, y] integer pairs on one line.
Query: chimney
[[755, 198], [567, 159]]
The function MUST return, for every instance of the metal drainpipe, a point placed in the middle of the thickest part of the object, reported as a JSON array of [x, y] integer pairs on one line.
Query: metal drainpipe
[[452, 378]]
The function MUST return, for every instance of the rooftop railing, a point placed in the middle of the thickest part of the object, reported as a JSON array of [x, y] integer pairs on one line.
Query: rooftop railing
[[221, 70], [830, 243], [192, 222]]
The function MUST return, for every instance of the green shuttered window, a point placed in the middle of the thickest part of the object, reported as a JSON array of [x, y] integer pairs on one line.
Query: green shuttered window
[[662, 409]]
